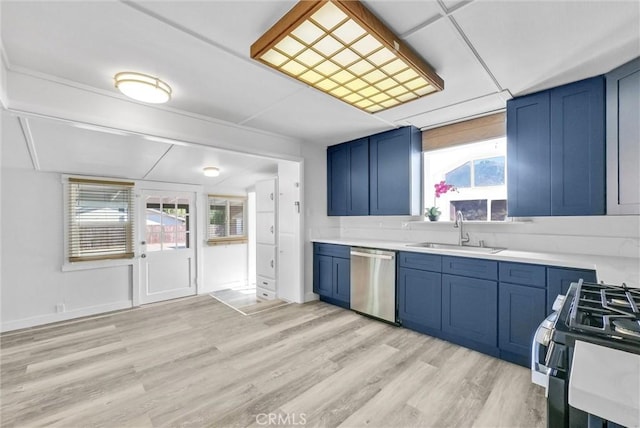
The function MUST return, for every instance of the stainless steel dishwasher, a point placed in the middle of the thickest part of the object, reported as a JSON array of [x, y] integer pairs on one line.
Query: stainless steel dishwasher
[[373, 283]]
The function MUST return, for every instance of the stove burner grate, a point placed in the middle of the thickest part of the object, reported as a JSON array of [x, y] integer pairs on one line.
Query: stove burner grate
[[607, 310]]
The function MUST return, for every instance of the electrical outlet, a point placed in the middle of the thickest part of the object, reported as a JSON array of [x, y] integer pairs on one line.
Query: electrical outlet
[[60, 307]]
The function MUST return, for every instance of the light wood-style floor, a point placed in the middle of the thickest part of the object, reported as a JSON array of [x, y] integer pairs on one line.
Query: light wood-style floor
[[196, 362]]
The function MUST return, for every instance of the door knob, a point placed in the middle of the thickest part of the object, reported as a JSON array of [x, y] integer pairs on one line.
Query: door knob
[[143, 243], [143, 256]]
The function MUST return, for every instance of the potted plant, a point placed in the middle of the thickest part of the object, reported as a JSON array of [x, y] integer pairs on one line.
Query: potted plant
[[441, 188]]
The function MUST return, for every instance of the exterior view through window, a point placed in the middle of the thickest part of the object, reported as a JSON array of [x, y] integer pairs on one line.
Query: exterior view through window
[[227, 219], [167, 223], [478, 171]]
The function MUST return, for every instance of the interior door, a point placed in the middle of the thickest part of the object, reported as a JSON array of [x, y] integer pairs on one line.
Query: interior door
[[167, 259]]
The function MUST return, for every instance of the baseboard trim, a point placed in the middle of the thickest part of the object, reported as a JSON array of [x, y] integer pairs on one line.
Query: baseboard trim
[[310, 297], [63, 316]]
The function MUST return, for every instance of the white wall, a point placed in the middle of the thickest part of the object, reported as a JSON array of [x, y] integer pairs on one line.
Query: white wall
[[224, 266], [317, 223], [33, 283]]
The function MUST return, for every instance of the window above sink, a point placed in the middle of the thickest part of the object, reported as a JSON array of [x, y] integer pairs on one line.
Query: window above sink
[[478, 171]]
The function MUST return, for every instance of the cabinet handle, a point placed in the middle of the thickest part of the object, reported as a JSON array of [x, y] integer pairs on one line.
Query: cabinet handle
[[272, 263], [271, 196], [271, 229]]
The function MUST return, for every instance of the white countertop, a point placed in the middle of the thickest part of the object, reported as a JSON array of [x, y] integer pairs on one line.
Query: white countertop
[[610, 270], [606, 382]]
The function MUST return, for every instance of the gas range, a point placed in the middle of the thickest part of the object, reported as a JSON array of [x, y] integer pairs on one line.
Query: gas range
[[606, 315], [599, 314]]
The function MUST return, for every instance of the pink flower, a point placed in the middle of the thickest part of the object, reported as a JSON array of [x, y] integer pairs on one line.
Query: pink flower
[[442, 188]]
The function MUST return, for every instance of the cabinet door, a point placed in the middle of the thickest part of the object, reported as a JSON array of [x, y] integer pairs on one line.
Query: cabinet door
[[358, 185], [470, 308], [266, 260], [623, 134], [265, 228], [521, 311], [394, 160], [559, 280], [420, 297], [323, 275], [337, 179], [342, 279], [528, 156], [577, 148], [266, 195]]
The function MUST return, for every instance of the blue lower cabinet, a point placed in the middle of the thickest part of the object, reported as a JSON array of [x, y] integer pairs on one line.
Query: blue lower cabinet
[[470, 312], [342, 281], [521, 309], [323, 275], [331, 274], [420, 299], [559, 280]]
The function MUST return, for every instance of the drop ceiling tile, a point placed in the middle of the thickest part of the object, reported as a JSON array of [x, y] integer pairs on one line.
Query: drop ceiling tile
[[528, 43], [454, 4], [464, 77], [314, 116], [402, 16]]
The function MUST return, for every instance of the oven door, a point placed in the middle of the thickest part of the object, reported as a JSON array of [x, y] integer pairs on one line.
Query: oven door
[[539, 349]]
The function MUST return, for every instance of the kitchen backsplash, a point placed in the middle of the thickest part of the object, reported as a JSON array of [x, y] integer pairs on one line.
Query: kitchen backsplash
[[599, 235]]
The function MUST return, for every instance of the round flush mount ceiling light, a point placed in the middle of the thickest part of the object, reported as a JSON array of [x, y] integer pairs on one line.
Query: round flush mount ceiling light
[[142, 87], [211, 171]]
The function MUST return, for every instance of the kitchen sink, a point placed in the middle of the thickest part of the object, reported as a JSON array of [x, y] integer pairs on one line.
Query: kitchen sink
[[468, 248]]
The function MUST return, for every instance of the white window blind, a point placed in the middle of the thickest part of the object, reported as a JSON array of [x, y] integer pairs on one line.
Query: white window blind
[[227, 219], [100, 219]]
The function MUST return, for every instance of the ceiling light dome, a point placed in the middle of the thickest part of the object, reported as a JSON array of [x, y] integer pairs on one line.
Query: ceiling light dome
[[211, 171], [142, 87]]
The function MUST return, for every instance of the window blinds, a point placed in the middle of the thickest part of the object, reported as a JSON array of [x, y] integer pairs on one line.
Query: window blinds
[[468, 131], [100, 219], [226, 218]]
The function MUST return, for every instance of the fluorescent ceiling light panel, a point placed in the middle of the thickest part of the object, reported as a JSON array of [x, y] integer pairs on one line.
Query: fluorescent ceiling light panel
[[342, 49]]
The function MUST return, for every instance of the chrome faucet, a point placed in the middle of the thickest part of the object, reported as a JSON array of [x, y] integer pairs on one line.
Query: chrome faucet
[[462, 238]]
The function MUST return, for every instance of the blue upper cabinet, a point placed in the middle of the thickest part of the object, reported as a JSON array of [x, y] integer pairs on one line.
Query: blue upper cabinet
[[578, 148], [394, 165], [376, 175], [556, 151], [337, 179], [528, 156], [348, 178]]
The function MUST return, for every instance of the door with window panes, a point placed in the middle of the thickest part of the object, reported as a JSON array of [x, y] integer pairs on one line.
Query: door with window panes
[[167, 260]]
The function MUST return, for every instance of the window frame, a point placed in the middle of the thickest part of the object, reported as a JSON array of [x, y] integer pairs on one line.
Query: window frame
[[235, 239], [123, 258]]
